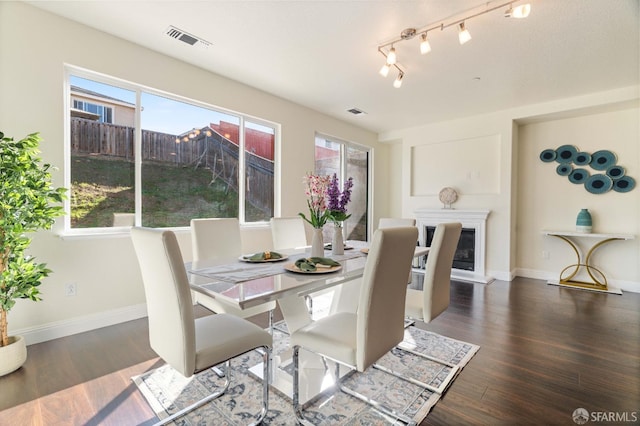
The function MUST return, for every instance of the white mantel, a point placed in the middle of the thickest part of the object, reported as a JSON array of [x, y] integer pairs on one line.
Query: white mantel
[[470, 219]]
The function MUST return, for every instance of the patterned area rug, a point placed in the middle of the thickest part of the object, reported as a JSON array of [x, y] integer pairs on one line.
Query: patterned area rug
[[167, 391]]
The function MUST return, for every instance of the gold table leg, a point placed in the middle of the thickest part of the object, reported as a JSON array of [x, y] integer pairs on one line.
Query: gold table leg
[[598, 279]]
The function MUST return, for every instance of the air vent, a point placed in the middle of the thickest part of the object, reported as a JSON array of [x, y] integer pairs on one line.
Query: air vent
[[356, 111], [185, 37]]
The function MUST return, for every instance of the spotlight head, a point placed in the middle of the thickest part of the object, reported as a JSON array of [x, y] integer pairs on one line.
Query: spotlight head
[[384, 71], [391, 57], [519, 12], [425, 47], [463, 34], [398, 81]]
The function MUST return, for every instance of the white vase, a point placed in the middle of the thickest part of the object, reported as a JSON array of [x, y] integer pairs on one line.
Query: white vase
[[337, 244], [13, 356], [317, 243]]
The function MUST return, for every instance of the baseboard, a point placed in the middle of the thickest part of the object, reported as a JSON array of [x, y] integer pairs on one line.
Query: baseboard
[[55, 330], [631, 286], [503, 275]]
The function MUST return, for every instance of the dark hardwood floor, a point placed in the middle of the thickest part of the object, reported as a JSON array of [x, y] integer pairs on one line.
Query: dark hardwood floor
[[545, 351]]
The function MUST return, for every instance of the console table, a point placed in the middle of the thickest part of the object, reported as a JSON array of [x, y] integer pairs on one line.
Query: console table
[[598, 280]]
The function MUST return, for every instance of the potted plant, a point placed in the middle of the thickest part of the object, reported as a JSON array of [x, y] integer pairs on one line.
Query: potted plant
[[28, 202]]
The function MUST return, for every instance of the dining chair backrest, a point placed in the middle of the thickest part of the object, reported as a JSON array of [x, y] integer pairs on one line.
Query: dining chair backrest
[[124, 219], [215, 237], [380, 314], [437, 273], [392, 222], [288, 232], [169, 304]]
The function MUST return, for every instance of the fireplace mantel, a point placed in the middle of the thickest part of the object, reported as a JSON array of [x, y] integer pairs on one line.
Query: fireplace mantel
[[470, 219]]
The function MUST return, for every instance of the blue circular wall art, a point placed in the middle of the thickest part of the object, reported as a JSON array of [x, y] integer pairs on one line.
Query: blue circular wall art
[[624, 184], [598, 184], [610, 175], [602, 160], [548, 155], [615, 172], [578, 176], [565, 153], [582, 159], [564, 169]]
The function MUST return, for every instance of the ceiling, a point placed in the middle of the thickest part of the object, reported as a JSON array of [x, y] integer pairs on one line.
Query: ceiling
[[323, 53]]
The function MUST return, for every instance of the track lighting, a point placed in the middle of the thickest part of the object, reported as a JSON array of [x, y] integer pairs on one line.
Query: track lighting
[[398, 81], [425, 47], [389, 52]]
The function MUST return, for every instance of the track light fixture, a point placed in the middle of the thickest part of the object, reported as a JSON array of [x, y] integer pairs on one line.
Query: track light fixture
[[388, 49], [519, 12], [398, 81], [384, 71], [463, 34], [391, 57], [425, 47]]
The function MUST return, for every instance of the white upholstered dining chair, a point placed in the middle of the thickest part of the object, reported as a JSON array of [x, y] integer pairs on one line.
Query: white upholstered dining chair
[[433, 299], [394, 222], [213, 238], [359, 339], [288, 232], [186, 343]]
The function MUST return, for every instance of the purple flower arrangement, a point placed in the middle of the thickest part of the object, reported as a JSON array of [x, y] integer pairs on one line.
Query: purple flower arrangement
[[338, 200]]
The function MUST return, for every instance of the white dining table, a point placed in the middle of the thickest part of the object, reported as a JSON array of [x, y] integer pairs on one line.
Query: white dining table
[[247, 284]]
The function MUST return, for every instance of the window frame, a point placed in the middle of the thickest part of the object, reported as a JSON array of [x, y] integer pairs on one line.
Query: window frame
[[138, 89]]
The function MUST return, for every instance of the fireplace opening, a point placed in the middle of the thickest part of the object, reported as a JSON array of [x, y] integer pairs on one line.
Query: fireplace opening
[[464, 258]]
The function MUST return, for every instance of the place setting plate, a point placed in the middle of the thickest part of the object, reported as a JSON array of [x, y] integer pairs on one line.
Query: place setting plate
[[247, 258], [320, 269], [328, 247]]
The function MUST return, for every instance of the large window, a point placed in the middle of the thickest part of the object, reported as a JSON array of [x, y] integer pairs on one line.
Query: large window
[[347, 160], [163, 160]]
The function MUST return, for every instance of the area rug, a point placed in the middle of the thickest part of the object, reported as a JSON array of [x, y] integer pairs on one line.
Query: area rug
[[167, 391]]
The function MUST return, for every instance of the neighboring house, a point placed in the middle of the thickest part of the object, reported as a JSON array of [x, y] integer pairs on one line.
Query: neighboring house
[[256, 142], [96, 106]]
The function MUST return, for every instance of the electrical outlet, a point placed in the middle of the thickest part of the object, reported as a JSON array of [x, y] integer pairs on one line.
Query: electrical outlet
[[70, 289], [545, 254]]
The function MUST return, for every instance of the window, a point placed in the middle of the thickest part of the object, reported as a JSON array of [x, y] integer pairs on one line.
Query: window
[[347, 160], [105, 114], [181, 162]]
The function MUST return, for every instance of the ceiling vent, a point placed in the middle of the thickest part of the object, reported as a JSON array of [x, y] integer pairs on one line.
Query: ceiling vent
[[356, 111], [185, 37]]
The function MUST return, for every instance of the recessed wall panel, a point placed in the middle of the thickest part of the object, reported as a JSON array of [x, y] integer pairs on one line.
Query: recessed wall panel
[[470, 166]]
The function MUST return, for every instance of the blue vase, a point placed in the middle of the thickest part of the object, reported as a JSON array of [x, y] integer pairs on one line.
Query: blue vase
[[583, 222]]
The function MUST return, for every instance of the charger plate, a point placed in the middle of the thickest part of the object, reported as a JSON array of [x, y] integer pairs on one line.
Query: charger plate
[[291, 267], [242, 258]]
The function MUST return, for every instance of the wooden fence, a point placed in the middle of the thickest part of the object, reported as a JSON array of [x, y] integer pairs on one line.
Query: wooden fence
[[213, 152]]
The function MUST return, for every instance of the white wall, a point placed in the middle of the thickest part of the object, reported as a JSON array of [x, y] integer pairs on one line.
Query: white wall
[[530, 196], [34, 46]]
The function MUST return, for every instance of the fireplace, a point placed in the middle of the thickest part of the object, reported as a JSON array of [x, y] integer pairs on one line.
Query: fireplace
[[464, 258], [469, 260]]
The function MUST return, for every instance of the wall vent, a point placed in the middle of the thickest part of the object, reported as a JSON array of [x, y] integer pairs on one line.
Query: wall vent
[[356, 111], [185, 37]]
